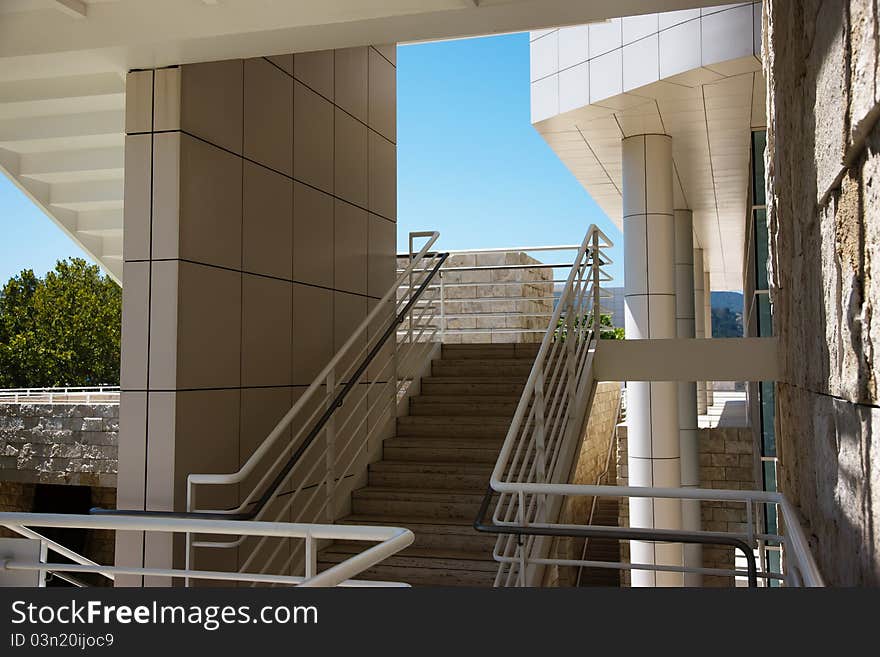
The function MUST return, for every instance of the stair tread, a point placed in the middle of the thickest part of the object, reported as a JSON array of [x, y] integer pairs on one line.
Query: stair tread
[[501, 380], [431, 466], [437, 525], [459, 564], [419, 494], [355, 547], [444, 419]]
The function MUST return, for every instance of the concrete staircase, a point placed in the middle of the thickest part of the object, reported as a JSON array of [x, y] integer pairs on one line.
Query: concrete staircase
[[435, 470]]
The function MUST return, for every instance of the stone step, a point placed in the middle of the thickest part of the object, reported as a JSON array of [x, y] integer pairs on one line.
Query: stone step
[[396, 502], [425, 572], [453, 426], [431, 450], [442, 534], [482, 367], [407, 474], [456, 405], [487, 351], [473, 386]]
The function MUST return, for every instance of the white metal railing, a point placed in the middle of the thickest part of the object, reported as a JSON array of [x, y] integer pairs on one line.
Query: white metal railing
[[547, 423], [308, 464], [387, 540], [797, 566], [500, 294], [62, 395]]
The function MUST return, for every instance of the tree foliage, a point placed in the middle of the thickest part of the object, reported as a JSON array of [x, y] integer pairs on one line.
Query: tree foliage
[[607, 330], [62, 330]]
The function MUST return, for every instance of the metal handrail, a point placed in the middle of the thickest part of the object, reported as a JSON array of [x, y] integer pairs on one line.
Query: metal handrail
[[543, 433], [489, 305], [389, 541], [272, 489], [801, 563], [621, 534]]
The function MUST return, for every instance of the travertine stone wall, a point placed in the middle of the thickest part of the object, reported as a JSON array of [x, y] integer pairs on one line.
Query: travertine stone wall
[[59, 443], [260, 228], [590, 464], [519, 294], [823, 191], [726, 461]]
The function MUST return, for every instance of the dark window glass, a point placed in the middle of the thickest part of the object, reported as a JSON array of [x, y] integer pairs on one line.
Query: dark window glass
[[761, 249], [768, 413], [765, 316], [759, 142]]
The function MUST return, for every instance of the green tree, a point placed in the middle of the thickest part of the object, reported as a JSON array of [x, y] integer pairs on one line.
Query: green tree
[[62, 330], [607, 330]]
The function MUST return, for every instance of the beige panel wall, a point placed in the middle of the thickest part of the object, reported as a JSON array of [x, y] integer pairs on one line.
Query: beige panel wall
[[260, 202]]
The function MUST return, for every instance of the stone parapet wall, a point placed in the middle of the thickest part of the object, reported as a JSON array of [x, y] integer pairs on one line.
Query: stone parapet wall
[[726, 461], [476, 300], [59, 443], [590, 464], [822, 61]]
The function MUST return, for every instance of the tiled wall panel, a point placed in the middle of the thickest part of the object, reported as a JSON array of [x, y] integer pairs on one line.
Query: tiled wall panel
[[260, 228]]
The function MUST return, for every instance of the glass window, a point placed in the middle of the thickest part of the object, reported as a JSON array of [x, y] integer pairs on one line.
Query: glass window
[[761, 249], [765, 316], [759, 142], [768, 413]]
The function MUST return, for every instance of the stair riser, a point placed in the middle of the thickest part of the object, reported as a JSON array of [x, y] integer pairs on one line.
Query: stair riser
[[428, 480], [451, 429], [474, 409], [423, 576], [451, 352], [441, 368], [474, 542], [434, 510], [441, 454], [431, 388]]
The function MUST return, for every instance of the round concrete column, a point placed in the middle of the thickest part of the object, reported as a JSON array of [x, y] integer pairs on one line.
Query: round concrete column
[[685, 324], [649, 302], [707, 308], [700, 323]]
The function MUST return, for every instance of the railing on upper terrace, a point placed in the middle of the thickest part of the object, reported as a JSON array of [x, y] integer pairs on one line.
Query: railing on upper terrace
[[498, 295], [61, 395]]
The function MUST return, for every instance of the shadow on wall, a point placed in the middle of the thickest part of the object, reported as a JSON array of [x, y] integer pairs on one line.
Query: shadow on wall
[[825, 414]]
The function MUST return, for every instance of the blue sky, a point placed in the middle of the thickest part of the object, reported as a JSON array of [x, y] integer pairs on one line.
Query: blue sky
[[469, 162]]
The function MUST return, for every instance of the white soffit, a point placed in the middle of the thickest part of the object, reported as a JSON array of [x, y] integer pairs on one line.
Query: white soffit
[[62, 66], [661, 74]]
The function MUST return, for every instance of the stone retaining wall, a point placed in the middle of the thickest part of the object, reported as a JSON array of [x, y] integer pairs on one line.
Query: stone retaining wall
[[59, 443], [726, 461], [590, 464]]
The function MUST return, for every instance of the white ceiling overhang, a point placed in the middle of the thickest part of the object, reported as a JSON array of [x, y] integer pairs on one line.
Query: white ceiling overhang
[[709, 110]]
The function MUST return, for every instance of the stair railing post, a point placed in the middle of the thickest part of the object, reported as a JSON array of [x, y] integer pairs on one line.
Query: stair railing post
[[330, 454], [442, 308], [540, 446]]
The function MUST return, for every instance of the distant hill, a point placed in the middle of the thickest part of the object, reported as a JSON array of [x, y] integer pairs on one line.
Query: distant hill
[[730, 300], [727, 314]]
